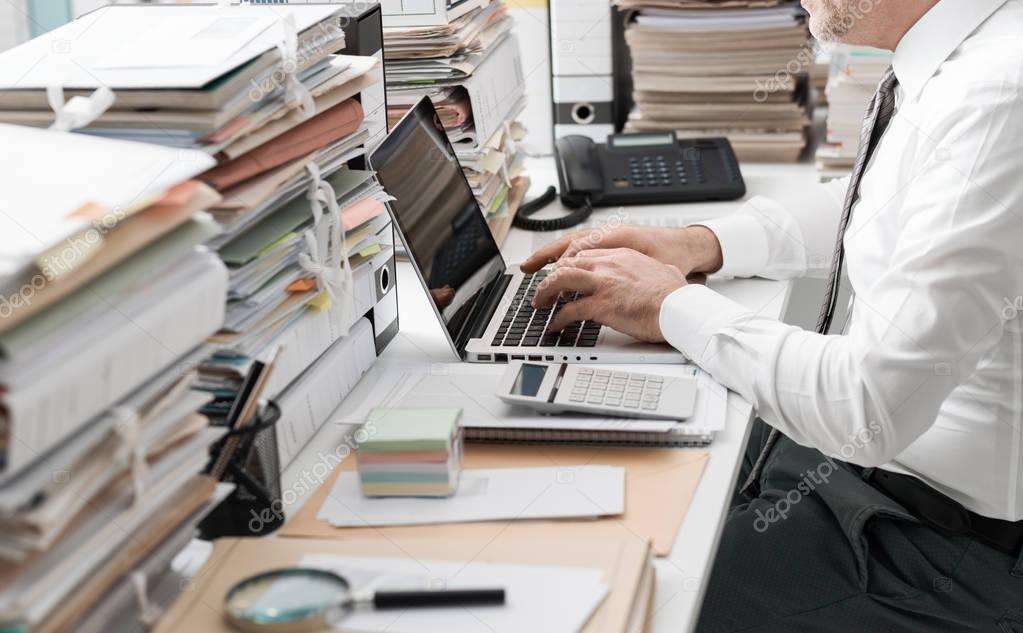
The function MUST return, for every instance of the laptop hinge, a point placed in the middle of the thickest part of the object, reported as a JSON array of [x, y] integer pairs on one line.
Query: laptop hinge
[[487, 307]]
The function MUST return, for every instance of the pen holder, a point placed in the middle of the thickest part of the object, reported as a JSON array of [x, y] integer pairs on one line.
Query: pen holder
[[254, 508]]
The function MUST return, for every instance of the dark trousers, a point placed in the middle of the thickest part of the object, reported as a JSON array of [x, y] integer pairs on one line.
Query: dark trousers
[[818, 549]]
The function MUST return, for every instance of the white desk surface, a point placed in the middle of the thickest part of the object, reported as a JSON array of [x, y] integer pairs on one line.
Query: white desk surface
[[682, 576]]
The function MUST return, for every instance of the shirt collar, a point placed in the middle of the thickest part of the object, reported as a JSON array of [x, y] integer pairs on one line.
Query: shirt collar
[[934, 38]]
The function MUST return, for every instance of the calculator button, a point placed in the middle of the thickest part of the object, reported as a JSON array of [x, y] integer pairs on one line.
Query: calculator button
[[603, 372], [585, 371], [595, 400], [614, 402], [655, 379], [650, 406], [632, 404], [577, 398]]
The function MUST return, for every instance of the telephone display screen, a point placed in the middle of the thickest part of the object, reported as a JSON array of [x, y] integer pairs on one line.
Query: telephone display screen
[[641, 140], [528, 382]]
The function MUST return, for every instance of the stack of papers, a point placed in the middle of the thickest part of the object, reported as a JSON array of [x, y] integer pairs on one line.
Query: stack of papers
[[107, 297], [710, 68], [487, 494], [548, 598], [553, 586], [410, 453], [202, 77], [485, 417], [854, 76], [471, 69], [274, 301], [112, 250], [264, 114]]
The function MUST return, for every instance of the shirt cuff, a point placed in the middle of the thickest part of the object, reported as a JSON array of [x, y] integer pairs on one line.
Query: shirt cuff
[[744, 250], [693, 314]]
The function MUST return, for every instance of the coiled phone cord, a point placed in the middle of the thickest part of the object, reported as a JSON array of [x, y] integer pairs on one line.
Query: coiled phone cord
[[523, 220]]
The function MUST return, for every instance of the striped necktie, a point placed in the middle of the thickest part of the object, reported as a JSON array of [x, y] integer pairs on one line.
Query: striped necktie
[[879, 116]]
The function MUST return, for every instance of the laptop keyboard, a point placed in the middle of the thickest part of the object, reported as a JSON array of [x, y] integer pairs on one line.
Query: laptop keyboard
[[525, 326]]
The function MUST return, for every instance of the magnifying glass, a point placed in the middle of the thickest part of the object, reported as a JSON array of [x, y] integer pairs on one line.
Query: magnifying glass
[[301, 599]]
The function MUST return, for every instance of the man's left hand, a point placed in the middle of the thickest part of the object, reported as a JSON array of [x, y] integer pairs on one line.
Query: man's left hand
[[623, 290]]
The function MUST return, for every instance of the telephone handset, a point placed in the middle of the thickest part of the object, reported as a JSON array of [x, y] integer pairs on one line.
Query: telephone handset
[[647, 168]]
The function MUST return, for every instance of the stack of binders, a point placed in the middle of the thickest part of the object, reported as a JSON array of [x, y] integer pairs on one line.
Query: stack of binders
[[853, 78], [148, 310], [310, 250], [709, 68], [107, 296], [410, 453], [285, 99], [471, 68]]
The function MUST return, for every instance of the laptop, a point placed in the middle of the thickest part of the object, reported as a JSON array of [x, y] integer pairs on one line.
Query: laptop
[[483, 304]]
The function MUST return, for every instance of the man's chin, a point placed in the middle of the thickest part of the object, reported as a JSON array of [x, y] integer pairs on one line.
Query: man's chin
[[821, 30]]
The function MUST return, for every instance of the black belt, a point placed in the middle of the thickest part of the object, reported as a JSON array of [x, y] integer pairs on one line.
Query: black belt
[[946, 514]]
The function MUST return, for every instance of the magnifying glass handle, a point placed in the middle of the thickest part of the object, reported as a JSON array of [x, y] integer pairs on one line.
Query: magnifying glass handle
[[438, 598]]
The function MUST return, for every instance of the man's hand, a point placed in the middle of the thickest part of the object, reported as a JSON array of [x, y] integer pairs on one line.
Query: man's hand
[[692, 250], [624, 290]]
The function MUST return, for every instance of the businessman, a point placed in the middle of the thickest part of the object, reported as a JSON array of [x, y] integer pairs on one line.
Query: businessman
[[883, 489]]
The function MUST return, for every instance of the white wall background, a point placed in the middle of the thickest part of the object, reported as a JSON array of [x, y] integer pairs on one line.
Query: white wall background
[[534, 40], [13, 23]]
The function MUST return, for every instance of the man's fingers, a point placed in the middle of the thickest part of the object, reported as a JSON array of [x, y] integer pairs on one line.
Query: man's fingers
[[603, 252], [583, 241], [579, 310], [584, 263], [564, 280], [550, 253]]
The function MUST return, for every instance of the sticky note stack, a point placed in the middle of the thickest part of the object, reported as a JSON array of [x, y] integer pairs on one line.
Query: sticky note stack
[[410, 453]]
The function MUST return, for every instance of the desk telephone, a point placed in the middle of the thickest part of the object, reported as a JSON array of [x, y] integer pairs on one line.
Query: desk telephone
[[649, 168]]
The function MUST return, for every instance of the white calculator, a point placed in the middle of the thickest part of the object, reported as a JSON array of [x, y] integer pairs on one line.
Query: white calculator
[[559, 388]]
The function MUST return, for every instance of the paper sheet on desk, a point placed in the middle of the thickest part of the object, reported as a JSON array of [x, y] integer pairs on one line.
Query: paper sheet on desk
[[580, 491], [538, 599], [473, 387]]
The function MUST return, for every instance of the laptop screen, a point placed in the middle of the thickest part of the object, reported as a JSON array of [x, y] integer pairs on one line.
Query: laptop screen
[[441, 223]]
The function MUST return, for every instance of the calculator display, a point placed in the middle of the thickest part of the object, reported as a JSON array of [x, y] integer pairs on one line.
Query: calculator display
[[528, 382]]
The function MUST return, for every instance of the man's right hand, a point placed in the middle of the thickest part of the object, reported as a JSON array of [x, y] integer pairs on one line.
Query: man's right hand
[[693, 249]]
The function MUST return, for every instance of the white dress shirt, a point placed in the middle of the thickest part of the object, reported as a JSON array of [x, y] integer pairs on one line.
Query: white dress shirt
[[927, 379]]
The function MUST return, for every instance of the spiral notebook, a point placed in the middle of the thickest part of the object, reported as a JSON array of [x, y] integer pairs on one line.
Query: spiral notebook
[[486, 418]]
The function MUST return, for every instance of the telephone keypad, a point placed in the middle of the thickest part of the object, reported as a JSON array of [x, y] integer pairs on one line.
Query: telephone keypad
[[653, 171]]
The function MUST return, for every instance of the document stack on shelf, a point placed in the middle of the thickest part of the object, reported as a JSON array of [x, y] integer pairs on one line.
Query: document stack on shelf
[[275, 96], [472, 70], [219, 79], [107, 296], [853, 79], [710, 68]]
